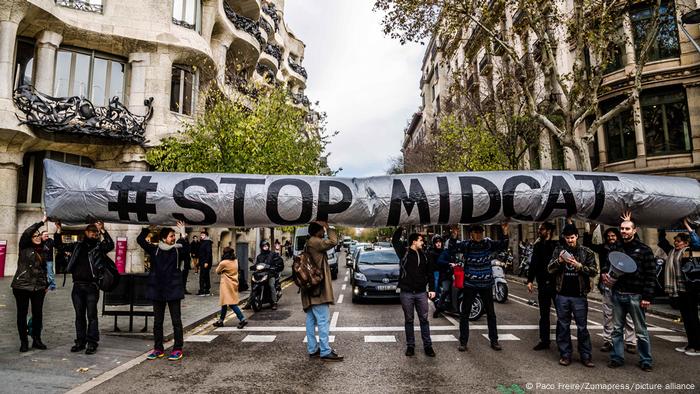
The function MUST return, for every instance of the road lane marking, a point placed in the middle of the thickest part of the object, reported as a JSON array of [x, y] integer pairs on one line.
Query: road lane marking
[[340, 299], [503, 337], [331, 339], [672, 338], [451, 320], [334, 328], [259, 338], [380, 338], [334, 320], [443, 338], [200, 338], [343, 287]]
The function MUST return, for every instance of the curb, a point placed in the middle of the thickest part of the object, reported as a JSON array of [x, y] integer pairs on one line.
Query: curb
[[595, 296]]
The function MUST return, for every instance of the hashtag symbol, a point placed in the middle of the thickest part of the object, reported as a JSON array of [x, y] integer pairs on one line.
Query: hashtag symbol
[[139, 207]]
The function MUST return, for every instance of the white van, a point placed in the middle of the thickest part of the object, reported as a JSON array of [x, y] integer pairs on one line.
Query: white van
[[301, 234]]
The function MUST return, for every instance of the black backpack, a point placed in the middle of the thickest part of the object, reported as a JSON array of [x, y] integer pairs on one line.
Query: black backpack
[[106, 275]]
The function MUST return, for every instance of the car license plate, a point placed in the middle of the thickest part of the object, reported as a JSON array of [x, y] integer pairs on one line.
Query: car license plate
[[387, 288]]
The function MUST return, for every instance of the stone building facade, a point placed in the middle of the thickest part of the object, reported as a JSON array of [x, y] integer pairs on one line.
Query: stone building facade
[[166, 50]]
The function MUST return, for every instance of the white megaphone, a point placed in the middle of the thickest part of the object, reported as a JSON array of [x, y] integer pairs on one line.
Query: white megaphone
[[620, 264]]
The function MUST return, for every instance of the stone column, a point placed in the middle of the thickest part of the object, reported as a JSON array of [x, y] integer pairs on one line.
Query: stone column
[[139, 63], [641, 159], [8, 37], [9, 165], [693, 94], [220, 48], [602, 152], [47, 43], [545, 151]]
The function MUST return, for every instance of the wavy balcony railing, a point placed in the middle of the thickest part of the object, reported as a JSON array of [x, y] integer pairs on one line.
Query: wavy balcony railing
[[80, 5], [271, 10], [298, 68], [246, 24], [274, 51]]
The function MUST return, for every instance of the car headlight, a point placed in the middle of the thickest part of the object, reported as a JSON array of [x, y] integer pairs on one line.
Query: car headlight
[[260, 267], [360, 276]]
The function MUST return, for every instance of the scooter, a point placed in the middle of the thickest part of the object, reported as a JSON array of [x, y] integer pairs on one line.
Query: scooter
[[500, 285], [260, 292], [525, 257], [452, 304]]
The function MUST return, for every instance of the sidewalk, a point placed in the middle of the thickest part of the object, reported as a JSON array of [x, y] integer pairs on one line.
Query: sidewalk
[[59, 370], [663, 310]]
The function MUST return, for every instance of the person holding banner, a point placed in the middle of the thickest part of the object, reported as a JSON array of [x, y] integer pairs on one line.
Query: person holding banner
[[541, 256], [48, 257], [165, 285], [29, 285]]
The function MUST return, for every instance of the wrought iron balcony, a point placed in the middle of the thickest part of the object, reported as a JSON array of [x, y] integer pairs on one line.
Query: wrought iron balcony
[[246, 24], [274, 51], [81, 5], [76, 115], [297, 68], [241, 84], [271, 10], [266, 72], [300, 98], [266, 26]]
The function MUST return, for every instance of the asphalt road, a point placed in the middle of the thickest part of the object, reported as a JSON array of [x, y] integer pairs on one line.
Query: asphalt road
[[269, 355]]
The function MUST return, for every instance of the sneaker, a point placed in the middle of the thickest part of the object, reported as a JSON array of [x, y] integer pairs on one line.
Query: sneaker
[[175, 355], [614, 364], [91, 348], [410, 351], [564, 361], [607, 346], [218, 323], [242, 324], [315, 354], [155, 354], [692, 352], [274, 307], [645, 367], [631, 349], [588, 363], [462, 347], [429, 351], [37, 344], [77, 348], [683, 349], [333, 357], [541, 346], [496, 346]]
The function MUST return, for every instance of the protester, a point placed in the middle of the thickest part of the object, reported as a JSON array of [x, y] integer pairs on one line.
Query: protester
[[278, 247], [288, 249], [676, 285], [542, 251], [442, 273], [612, 243], [316, 302], [204, 255], [228, 288], [478, 278], [85, 294], [165, 285], [415, 274], [632, 294], [186, 266], [48, 257], [274, 260], [29, 285], [194, 252], [573, 266]]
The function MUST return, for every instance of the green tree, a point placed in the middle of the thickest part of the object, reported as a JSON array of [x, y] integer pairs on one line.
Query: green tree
[[272, 137]]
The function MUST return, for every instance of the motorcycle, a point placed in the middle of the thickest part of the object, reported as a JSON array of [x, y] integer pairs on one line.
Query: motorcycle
[[500, 285], [260, 292], [525, 257], [452, 302]]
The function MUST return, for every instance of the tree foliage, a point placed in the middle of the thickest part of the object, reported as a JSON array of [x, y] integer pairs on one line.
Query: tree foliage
[[271, 137]]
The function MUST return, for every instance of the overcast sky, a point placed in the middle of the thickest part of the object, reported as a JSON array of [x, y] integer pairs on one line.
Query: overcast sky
[[367, 83]]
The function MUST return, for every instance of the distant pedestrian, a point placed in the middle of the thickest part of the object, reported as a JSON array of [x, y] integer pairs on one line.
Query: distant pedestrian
[[85, 294], [205, 262], [278, 247], [194, 252], [542, 251], [573, 266], [29, 285], [165, 285], [186, 264], [228, 288], [415, 275], [48, 257], [316, 302]]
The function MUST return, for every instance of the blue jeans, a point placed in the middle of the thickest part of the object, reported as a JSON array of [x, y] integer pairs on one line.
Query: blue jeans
[[317, 315], [578, 307], [623, 304], [235, 309], [418, 301], [50, 275]]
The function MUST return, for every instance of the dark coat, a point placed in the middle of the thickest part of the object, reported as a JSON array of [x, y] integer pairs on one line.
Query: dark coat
[[539, 261], [273, 259], [204, 252], [586, 272], [105, 246], [31, 266], [643, 280], [165, 277]]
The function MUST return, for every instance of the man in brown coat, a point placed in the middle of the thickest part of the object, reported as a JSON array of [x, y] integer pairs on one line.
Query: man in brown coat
[[316, 302]]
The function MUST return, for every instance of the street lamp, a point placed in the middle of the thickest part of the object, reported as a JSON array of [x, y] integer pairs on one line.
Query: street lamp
[[691, 18]]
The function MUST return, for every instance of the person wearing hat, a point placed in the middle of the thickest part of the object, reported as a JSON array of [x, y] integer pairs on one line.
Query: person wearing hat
[[478, 278], [85, 294], [573, 266]]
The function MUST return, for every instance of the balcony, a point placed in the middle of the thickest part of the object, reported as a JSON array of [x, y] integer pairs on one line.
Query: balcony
[[82, 5], [77, 116], [241, 84], [274, 51], [271, 11], [300, 99], [266, 72], [245, 24], [297, 68]]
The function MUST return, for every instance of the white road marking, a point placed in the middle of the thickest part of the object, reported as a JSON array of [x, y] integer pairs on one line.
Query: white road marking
[[200, 338], [443, 338], [343, 287], [503, 337], [380, 338], [553, 337], [259, 338], [331, 339], [334, 319], [340, 299], [480, 327], [672, 338], [451, 320]]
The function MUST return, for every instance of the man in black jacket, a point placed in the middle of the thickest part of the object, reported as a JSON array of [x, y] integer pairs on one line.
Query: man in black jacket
[[415, 274], [632, 294], [205, 261], [541, 255], [274, 260], [85, 294]]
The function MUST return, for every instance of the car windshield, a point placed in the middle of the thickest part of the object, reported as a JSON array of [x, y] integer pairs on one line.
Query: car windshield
[[379, 257]]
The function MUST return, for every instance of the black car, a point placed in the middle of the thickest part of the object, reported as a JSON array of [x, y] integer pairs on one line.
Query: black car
[[375, 275]]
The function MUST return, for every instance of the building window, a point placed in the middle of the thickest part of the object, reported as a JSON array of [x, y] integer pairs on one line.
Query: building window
[[619, 134], [97, 77], [31, 175], [666, 122], [182, 87], [666, 44], [82, 5], [24, 63], [615, 52], [188, 13]]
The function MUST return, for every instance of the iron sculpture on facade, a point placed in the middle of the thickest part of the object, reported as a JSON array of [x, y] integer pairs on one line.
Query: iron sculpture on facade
[[246, 24], [271, 10], [274, 51], [297, 68], [301, 98], [81, 5], [76, 115]]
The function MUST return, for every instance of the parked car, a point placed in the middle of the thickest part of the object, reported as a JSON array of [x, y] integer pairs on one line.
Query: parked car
[[346, 242], [350, 257], [383, 245], [375, 275], [333, 263]]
